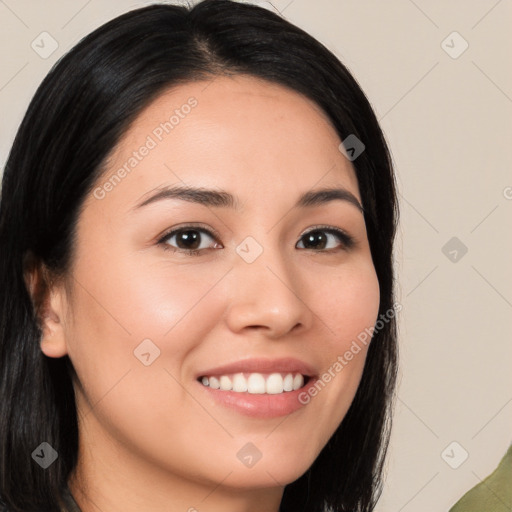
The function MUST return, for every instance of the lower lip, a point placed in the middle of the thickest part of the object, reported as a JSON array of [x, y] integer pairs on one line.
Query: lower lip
[[260, 405]]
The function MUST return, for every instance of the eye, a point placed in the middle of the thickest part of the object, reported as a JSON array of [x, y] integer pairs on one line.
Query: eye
[[320, 237], [189, 239]]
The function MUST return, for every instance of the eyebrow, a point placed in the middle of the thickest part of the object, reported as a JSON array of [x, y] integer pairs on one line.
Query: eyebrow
[[223, 199]]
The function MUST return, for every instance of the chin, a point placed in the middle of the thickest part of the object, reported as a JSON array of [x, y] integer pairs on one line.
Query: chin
[[274, 472]]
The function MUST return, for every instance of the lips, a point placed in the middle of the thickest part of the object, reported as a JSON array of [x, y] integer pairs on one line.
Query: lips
[[258, 376], [271, 396]]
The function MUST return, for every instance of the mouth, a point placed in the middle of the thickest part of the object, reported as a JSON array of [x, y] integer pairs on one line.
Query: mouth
[[258, 387], [256, 383]]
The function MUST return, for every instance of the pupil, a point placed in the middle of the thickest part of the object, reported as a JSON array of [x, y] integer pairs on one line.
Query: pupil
[[191, 239], [317, 236]]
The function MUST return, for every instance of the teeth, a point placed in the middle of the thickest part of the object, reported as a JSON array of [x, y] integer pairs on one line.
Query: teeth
[[225, 383], [214, 383], [274, 384], [239, 383], [256, 383], [288, 382]]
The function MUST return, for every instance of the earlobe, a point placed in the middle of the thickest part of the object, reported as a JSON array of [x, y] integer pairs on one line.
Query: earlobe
[[53, 341], [52, 347]]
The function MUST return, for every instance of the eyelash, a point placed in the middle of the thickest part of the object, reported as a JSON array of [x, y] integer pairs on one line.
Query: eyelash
[[347, 241]]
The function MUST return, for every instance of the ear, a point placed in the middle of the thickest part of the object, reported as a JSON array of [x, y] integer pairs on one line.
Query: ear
[[49, 301]]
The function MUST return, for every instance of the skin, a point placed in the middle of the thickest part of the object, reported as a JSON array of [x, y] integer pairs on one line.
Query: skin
[[149, 438]]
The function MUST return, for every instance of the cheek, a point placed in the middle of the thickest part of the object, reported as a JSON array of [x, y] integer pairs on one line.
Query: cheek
[[118, 308], [349, 303], [128, 301], [124, 310], [348, 306]]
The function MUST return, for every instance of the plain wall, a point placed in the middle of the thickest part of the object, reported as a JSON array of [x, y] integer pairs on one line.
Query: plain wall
[[447, 115]]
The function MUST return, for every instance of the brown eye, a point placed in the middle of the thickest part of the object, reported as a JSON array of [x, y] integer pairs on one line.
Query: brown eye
[[188, 239], [320, 238]]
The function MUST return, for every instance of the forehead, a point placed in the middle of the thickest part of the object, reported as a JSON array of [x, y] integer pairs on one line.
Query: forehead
[[236, 132], [239, 101]]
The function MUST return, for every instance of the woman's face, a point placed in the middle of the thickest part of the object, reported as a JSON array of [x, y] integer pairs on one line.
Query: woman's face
[[147, 320]]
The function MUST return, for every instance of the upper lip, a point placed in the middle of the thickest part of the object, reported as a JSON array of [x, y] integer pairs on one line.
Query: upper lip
[[261, 365]]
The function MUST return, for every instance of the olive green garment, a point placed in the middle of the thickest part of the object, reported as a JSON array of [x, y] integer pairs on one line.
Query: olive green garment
[[494, 494]]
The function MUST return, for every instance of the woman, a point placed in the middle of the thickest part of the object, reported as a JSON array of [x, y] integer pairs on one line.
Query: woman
[[197, 222]]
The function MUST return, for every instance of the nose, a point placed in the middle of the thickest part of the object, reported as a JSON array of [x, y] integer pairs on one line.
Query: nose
[[268, 295]]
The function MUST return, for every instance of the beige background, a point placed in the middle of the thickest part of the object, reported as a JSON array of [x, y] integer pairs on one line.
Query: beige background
[[448, 121]]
